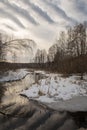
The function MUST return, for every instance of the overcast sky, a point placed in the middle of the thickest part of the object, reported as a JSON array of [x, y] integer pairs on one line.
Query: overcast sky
[[40, 20]]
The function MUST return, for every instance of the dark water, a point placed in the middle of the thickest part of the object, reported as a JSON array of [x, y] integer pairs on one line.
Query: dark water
[[20, 113]]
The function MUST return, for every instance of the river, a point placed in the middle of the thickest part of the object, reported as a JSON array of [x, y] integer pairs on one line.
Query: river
[[19, 113]]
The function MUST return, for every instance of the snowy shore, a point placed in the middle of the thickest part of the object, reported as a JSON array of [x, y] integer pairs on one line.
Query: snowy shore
[[55, 88], [13, 75]]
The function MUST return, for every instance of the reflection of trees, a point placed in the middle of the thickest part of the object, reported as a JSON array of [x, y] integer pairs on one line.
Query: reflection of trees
[[2, 90]]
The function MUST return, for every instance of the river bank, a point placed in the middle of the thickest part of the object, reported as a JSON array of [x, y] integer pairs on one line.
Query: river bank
[[21, 113]]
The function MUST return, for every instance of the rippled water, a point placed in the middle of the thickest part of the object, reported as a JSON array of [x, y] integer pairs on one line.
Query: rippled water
[[33, 114], [13, 89]]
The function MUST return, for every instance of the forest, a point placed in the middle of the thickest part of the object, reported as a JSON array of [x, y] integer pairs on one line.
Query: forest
[[68, 55]]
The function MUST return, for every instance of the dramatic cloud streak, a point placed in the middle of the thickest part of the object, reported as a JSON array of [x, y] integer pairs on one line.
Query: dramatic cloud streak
[[40, 20]]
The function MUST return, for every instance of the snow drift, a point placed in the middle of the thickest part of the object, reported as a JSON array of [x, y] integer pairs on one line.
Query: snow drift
[[56, 88]]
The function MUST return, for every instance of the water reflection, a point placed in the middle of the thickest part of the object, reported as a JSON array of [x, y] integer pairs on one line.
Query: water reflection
[[13, 89]]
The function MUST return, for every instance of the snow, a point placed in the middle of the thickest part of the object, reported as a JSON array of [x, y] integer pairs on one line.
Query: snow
[[40, 71], [13, 75], [55, 87], [32, 91]]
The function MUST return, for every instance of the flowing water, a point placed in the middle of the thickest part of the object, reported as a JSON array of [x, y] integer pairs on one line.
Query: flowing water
[[14, 88], [19, 113]]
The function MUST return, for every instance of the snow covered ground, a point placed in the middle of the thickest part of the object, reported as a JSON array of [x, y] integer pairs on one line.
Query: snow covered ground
[[55, 87], [13, 75]]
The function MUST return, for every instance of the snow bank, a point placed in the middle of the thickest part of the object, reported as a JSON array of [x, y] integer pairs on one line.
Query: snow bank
[[13, 75], [56, 88], [40, 71]]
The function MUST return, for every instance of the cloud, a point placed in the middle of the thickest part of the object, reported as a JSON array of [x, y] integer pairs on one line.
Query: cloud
[[9, 27], [75, 9], [81, 6], [19, 11], [60, 11], [42, 13], [7, 15], [40, 20]]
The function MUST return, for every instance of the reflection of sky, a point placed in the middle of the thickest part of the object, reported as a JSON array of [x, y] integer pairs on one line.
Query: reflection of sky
[[40, 20]]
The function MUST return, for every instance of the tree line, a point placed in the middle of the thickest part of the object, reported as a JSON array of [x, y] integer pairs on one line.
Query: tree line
[[68, 54]]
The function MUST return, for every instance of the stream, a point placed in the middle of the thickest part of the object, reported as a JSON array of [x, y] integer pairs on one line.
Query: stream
[[19, 113]]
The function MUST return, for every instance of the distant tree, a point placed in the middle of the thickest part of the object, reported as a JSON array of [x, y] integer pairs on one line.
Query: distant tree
[[62, 40], [61, 48], [37, 56], [77, 40], [41, 56], [52, 52], [77, 45], [0, 46], [3, 46], [14, 58]]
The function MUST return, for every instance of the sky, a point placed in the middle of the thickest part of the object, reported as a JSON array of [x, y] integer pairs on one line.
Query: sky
[[40, 20]]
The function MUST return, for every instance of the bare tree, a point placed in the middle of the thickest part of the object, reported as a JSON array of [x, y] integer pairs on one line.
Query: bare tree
[[41, 56], [77, 45], [77, 40]]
